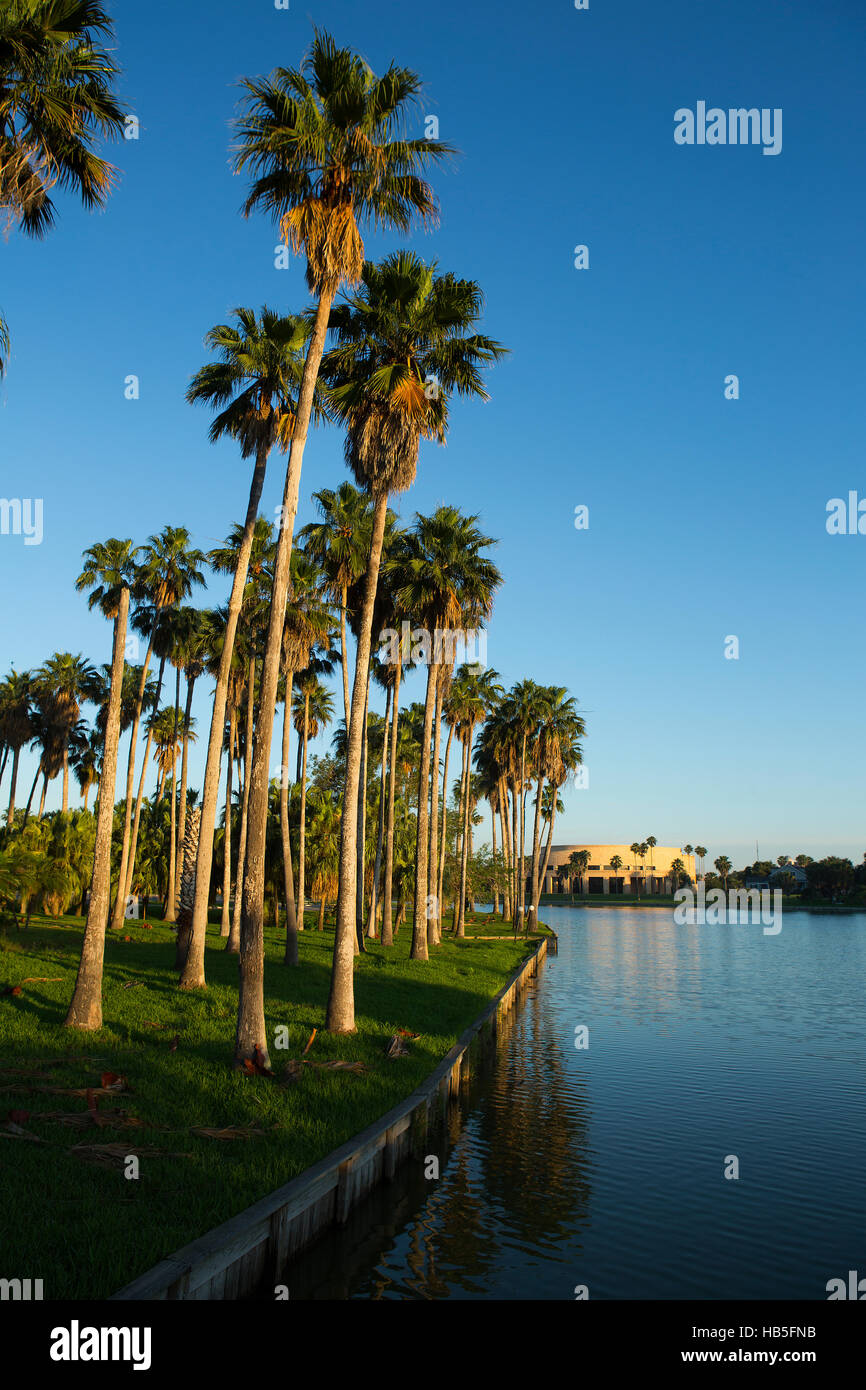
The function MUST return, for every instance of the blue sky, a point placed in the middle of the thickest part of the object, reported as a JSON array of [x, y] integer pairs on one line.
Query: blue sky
[[706, 515]]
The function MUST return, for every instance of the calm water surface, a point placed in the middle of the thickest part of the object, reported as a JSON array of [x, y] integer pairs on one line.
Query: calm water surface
[[605, 1166]]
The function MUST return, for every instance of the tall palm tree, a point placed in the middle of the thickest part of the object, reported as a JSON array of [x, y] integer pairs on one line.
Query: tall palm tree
[[340, 542], [635, 853], [313, 712], [561, 753], [170, 568], [164, 575], [701, 851], [63, 684], [56, 99], [616, 863], [16, 727], [724, 868], [86, 764], [404, 327], [253, 384], [473, 695], [193, 637], [651, 843], [326, 149], [109, 572], [444, 580]]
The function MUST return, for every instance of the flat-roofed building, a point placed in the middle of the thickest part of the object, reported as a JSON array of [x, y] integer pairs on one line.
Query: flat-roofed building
[[649, 874]]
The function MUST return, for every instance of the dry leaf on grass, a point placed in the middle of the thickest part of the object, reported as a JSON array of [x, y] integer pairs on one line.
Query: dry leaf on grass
[[113, 1081], [115, 1155], [11, 989], [256, 1065], [228, 1132]]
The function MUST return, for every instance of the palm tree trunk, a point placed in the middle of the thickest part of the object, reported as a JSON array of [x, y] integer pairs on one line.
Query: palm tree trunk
[[495, 880], [133, 843], [181, 831], [467, 814], [377, 867], [193, 971], [360, 884], [387, 919], [32, 790], [433, 929], [85, 1009], [506, 847], [340, 1017], [225, 923], [464, 791], [65, 804], [321, 923], [170, 913], [536, 838], [291, 955], [546, 861], [344, 658], [42, 797], [302, 829], [250, 1032], [515, 894], [419, 921], [234, 942], [120, 900], [440, 875], [10, 810]]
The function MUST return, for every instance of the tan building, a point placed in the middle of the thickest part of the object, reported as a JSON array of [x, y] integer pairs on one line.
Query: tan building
[[630, 875]]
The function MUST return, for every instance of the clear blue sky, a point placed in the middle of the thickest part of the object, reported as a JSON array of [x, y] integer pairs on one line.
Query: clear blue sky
[[707, 516]]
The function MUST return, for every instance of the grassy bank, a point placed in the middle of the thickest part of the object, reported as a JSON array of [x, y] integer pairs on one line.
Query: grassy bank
[[86, 1229]]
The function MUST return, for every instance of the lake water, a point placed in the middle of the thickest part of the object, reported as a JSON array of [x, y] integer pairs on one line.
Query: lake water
[[605, 1166]]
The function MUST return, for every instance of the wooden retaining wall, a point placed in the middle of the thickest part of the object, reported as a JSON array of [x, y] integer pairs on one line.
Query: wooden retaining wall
[[233, 1259]]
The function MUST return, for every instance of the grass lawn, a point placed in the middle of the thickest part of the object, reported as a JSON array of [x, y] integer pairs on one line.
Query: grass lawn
[[86, 1229]]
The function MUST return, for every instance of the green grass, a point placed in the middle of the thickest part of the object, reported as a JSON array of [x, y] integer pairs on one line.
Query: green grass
[[87, 1230]]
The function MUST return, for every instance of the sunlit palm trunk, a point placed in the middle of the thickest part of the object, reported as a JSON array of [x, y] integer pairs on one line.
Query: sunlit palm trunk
[[85, 1010], [193, 972], [495, 880], [170, 914], [545, 862], [133, 843], [250, 1031], [433, 930], [302, 828], [184, 761], [455, 920], [120, 901], [32, 790], [42, 797], [515, 890], [440, 876], [419, 923], [225, 921], [377, 867], [467, 834], [387, 919], [536, 841], [340, 1017], [506, 846], [360, 883], [65, 806], [344, 658], [234, 941], [291, 955]]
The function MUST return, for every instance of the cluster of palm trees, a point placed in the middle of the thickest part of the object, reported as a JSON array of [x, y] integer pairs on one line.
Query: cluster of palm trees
[[381, 353]]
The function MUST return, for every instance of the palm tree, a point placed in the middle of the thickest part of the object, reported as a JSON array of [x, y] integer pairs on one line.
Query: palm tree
[[340, 542], [166, 574], [651, 843], [561, 753], [635, 852], [109, 571], [193, 638], [16, 726], [688, 849], [86, 764], [473, 695], [701, 851], [169, 569], [580, 859], [723, 867], [445, 581], [325, 146], [55, 100], [62, 685], [313, 711], [616, 863], [253, 384], [324, 850]]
